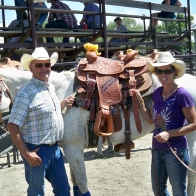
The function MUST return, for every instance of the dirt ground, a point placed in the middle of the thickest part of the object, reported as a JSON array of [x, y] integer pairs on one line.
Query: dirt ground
[[108, 175]]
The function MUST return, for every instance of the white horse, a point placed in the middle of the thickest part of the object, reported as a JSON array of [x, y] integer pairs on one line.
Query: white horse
[[75, 120]]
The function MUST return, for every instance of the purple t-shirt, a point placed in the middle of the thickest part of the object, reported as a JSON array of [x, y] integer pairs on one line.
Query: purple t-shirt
[[168, 115]]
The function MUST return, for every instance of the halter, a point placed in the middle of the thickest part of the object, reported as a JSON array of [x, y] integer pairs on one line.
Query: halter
[[3, 86]]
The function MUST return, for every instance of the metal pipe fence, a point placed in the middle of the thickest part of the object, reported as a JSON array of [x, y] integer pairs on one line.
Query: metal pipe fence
[[12, 148]]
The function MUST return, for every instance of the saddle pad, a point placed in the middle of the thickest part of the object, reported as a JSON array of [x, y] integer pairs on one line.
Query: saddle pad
[[102, 66], [109, 90]]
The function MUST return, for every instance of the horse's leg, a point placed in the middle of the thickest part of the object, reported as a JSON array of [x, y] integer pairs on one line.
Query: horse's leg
[[76, 190], [73, 144], [110, 146], [191, 176], [99, 145], [75, 157], [191, 183]]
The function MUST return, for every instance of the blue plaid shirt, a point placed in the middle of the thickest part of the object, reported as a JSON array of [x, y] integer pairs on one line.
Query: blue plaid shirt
[[37, 112]]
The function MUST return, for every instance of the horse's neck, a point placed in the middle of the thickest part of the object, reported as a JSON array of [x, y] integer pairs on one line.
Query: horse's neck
[[63, 83], [15, 79], [155, 82]]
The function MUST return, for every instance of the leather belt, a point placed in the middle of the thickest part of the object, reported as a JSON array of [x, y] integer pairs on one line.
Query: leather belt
[[50, 145]]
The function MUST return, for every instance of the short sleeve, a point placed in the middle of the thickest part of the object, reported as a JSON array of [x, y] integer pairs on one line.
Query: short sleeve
[[19, 110]]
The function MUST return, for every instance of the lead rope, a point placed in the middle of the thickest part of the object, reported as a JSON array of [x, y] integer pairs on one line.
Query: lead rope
[[3, 126], [154, 161], [180, 159], [6, 89]]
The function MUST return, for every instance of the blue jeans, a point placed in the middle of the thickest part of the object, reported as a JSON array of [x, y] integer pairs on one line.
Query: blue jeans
[[52, 168], [89, 26], [43, 15], [57, 24], [165, 165]]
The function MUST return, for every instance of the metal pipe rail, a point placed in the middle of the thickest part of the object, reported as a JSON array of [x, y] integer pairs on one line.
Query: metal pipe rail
[[10, 148], [126, 3]]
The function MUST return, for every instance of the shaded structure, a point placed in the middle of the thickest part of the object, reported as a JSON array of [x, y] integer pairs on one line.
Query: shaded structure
[[144, 37]]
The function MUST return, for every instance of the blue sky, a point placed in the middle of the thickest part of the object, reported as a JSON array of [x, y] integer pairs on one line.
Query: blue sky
[[10, 15]]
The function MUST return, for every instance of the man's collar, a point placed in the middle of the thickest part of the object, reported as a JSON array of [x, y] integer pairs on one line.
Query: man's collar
[[40, 82]]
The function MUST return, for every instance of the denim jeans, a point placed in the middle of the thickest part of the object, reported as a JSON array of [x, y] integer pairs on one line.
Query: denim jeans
[[89, 26], [52, 168], [165, 165], [57, 24], [43, 15]]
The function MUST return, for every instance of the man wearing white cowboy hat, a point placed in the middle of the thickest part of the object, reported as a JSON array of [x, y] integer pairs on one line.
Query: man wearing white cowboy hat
[[171, 107], [36, 126]]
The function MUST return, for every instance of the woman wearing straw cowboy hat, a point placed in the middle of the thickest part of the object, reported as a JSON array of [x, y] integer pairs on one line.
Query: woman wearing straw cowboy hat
[[36, 126], [172, 105]]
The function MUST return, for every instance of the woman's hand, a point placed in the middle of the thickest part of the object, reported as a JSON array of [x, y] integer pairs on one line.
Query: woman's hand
[[146, 113], [162, 137], [134, 91]]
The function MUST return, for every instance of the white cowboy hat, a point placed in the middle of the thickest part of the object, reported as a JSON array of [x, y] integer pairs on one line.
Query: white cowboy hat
[[165, 58], [40, 54]]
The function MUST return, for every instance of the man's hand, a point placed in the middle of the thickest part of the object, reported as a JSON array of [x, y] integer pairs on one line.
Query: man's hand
[[33, 159], [69, 101]]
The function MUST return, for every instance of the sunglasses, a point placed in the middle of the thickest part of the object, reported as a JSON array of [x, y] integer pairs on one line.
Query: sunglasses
[[165, 71], [40, 65]]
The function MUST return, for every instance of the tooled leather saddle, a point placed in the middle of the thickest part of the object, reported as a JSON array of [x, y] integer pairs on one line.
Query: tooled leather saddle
[[104, 87]]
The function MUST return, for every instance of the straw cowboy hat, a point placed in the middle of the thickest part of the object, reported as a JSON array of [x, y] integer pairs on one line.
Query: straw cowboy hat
[[40, 54], [165, 58]]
